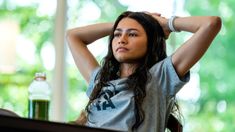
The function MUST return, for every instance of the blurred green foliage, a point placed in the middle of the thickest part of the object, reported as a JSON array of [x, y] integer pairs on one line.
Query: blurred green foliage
[[14, 86], [215, 108], [217, 101]]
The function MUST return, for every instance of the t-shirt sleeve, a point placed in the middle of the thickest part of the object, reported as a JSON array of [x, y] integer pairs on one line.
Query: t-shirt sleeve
[[92, 81], [167, 78]]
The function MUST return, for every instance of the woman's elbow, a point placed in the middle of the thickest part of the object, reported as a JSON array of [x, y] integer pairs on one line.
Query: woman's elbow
[[215, 23], [68, 34], [71, 36]]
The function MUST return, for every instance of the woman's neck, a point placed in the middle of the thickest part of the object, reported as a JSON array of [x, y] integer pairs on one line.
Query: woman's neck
[[126, 69]]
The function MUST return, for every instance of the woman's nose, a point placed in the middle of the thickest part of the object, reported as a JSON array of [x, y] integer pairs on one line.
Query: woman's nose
[[122, 39]]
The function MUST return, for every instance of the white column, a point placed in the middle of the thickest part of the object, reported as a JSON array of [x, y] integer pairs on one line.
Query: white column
[[59, 86]]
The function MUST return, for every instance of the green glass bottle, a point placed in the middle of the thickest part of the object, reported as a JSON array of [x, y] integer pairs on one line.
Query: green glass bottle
[[39, 98]]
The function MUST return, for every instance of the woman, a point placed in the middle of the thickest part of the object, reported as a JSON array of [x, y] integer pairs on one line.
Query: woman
[[135, 86]]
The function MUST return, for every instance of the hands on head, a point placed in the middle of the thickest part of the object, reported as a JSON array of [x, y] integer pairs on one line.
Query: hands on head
[[162, 21]]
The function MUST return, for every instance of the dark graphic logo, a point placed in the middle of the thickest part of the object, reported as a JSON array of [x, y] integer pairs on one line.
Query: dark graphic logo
[[105, 101]]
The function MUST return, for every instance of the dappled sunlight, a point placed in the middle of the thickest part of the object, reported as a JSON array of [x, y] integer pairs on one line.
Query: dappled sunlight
[[89, 12], [191, 91], [9, 31], [26, 50], [221, 106], [31, 29], [27, 45], [48, 56], [226, 11], [166, 8]]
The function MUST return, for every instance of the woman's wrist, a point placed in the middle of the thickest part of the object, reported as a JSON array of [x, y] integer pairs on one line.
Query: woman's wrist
[[171, 25]]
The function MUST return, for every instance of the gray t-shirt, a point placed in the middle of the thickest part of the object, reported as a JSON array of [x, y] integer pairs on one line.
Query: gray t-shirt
[[114, 107]]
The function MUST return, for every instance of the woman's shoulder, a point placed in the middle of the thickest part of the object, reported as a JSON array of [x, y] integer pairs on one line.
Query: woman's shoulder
[[161, 64]]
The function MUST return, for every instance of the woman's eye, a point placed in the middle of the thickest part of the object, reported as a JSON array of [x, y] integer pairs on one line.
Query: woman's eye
[[117, 34], [132, 34]]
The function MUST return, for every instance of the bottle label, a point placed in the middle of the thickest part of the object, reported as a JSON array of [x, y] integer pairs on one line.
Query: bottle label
[[38, 109]]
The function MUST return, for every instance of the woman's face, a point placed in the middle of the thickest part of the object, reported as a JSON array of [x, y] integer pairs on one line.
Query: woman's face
[[129, 44]]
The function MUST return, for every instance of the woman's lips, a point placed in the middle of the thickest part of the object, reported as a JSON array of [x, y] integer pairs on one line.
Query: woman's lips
[[121, 49]]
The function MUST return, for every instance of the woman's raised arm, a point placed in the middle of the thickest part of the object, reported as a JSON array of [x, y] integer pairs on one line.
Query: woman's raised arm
[[79, 38], [205, 28]]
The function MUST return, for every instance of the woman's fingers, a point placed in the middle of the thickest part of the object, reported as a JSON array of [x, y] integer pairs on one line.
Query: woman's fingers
[[162, 21], [146, 12], [155, 13]]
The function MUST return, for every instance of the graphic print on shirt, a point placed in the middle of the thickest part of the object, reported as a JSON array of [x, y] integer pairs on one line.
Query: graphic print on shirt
[[104, 99]]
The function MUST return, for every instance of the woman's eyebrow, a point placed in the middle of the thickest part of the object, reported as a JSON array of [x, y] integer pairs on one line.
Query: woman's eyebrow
[[127, 30]]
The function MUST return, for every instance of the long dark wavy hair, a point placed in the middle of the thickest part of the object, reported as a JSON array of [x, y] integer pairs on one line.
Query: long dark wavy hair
[[136, 81]]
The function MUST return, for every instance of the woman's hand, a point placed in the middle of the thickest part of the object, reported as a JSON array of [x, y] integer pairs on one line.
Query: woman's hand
[[162, 21]]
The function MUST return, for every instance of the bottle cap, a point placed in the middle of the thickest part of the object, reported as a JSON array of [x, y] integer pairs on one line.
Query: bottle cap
[[40, 76]]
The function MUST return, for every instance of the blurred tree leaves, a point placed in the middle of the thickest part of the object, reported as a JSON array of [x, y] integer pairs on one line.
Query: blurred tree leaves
[[216, 104], [217, 70], [38, 29]]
